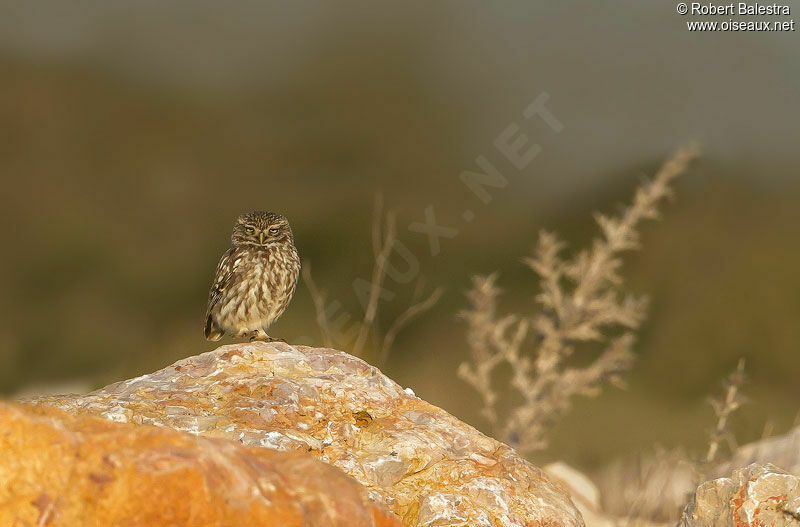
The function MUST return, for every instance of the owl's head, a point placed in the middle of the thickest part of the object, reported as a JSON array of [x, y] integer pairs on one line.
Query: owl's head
[[261, 229]]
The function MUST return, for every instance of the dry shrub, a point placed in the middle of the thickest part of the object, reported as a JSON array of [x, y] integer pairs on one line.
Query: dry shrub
[[654, 488], [724, 407], [647, 489], [581, 301], [367, 333]]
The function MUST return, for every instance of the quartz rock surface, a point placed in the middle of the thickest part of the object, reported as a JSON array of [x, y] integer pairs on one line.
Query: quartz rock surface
[[64, 470], [425, 465], [753, 496]]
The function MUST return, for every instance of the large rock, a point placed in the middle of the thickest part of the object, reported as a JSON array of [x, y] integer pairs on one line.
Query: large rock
[[426, 466], [62, 470], [754, 496]]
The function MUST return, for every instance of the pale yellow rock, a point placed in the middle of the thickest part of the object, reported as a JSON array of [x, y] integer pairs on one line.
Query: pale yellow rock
[[425, 465], [753, 496]]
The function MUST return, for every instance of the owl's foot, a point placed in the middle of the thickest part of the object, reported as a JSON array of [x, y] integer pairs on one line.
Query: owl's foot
[[261, 336], [269, 339]]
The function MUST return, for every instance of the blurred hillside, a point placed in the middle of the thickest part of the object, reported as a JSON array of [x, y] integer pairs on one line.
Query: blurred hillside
[[124, 160]]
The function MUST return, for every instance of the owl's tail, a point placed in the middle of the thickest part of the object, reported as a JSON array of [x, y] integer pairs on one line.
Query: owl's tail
[[212, 331]]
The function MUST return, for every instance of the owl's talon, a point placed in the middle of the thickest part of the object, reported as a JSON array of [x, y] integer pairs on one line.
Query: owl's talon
[[260, 336], [266, 339]]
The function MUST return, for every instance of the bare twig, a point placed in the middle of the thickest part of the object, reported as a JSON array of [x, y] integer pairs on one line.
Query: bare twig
[[382, 245], [318, 297], [383, 241], [377, 221], [723, 408], [403, 320]]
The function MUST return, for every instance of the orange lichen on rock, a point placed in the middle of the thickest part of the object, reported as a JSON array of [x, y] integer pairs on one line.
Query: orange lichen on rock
[[63, 470]]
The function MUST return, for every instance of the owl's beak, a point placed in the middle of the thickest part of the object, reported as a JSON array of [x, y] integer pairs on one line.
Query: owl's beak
[[261, 238]]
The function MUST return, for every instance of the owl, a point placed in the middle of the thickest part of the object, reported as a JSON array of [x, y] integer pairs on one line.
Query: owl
[[255, 278]]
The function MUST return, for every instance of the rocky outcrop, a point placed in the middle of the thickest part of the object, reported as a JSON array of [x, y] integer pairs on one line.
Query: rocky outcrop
[[754, 496], [423, 464], [63, 470]]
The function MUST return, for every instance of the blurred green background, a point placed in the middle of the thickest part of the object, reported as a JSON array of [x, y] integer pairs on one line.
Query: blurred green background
[[133, 133]]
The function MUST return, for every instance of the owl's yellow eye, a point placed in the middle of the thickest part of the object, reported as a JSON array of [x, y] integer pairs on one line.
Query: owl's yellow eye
[[273, 231], [250, 230]]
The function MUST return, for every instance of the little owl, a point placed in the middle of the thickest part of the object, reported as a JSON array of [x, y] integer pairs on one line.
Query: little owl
[[255, 278]]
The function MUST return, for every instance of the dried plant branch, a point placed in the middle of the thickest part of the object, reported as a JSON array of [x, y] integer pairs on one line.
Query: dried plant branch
[[382, 244], [383, 240], [492, 341], [648, 489], [318, 297], [377, 220], [581, 301], [723, 408], [404, 319]]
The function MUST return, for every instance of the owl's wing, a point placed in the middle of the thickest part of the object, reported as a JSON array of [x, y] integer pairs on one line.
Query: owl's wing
[[225, 269]]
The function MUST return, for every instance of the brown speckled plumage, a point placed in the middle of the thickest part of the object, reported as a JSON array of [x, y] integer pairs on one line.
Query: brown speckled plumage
[[255, 278]]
